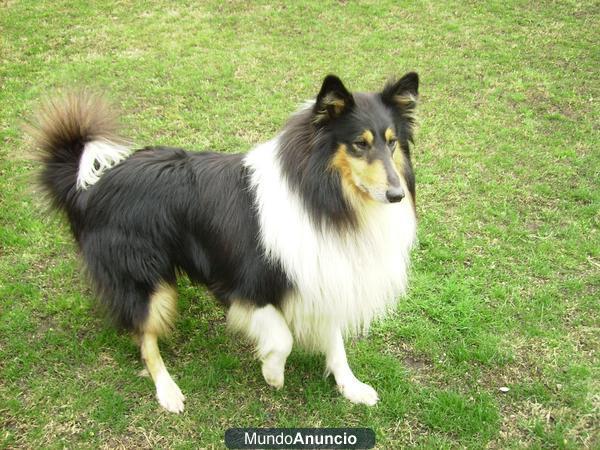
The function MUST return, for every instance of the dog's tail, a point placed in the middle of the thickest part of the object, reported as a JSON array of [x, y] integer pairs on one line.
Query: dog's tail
[[76, 138]]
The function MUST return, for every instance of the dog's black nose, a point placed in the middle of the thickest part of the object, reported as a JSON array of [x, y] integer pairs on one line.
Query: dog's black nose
[[395, 194]]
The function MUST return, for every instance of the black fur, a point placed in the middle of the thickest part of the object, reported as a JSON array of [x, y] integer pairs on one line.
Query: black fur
[[305, 153], [164, 210]]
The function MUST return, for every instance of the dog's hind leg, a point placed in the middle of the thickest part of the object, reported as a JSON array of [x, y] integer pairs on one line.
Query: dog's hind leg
[[267, 328], [161, 313], [350, 387]]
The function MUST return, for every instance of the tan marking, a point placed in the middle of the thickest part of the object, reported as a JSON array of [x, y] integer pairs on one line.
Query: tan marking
[[161, 314], [399, 166], [408, 105], [389, 134], [168, 393], [328, 101], [162, 310], [358, 175], [368, 137], [398, 158], [239, 315], [151, 355], [338, 106], [405, 100]]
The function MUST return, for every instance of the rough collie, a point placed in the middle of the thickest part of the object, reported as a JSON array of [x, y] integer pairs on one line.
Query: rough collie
[[305, 239]]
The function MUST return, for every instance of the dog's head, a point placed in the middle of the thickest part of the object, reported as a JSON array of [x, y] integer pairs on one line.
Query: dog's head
[[371, 134]]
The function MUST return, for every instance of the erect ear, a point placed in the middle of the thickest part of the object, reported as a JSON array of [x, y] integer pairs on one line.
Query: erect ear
[[402, 94], [333, 100]]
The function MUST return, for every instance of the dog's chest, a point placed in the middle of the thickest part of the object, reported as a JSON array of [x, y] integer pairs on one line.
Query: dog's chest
[[349, 279]]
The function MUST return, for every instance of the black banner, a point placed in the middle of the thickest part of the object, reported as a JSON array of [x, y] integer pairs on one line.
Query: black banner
[[300, 438]]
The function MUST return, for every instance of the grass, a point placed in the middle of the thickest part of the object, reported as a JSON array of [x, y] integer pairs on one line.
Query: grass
[[506, 278]]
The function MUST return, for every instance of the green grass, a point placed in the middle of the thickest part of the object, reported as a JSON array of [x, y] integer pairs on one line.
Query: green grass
[[506, 277]]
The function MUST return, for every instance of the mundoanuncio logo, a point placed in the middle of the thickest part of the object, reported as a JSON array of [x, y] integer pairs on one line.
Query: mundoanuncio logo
[[299, 438]]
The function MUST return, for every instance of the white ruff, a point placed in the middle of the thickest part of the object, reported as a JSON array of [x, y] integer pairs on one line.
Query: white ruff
[[99, 156], [342, 280]]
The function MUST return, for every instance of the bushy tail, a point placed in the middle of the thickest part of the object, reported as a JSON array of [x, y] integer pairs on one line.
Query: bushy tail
[[77, 141]]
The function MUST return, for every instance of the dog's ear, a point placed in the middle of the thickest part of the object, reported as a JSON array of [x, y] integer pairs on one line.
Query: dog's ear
[[333, 100], [402, 94]]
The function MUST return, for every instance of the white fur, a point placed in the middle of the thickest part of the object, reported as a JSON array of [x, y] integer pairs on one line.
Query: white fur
[[337, 364], [168, 393], [99, 156], [269, 331], [343, 280]]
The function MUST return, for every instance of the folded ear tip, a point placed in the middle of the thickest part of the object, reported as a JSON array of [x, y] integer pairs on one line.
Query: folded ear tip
[[331, 76], [397, 92], [412, 78], [332, 80], [333, 99], [332, 83], [410, 82]]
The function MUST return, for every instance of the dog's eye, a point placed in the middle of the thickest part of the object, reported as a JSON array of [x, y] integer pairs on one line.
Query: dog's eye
[[361, 145], [392, 143]]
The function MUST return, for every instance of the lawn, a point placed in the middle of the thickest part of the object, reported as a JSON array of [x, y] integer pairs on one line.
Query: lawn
[[506, 276]]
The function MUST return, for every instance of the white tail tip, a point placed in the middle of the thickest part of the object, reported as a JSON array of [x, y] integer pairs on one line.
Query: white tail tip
[[97, 157]]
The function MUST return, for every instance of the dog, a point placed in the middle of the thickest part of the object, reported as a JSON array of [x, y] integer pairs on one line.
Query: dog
[[304, 239]]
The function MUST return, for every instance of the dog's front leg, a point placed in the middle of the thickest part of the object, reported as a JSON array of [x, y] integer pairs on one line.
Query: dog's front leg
[[337, 364], [267, 328]]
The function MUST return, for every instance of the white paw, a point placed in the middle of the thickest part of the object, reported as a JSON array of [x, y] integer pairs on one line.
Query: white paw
[[273, 374], [358, 392], [169, 395]]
